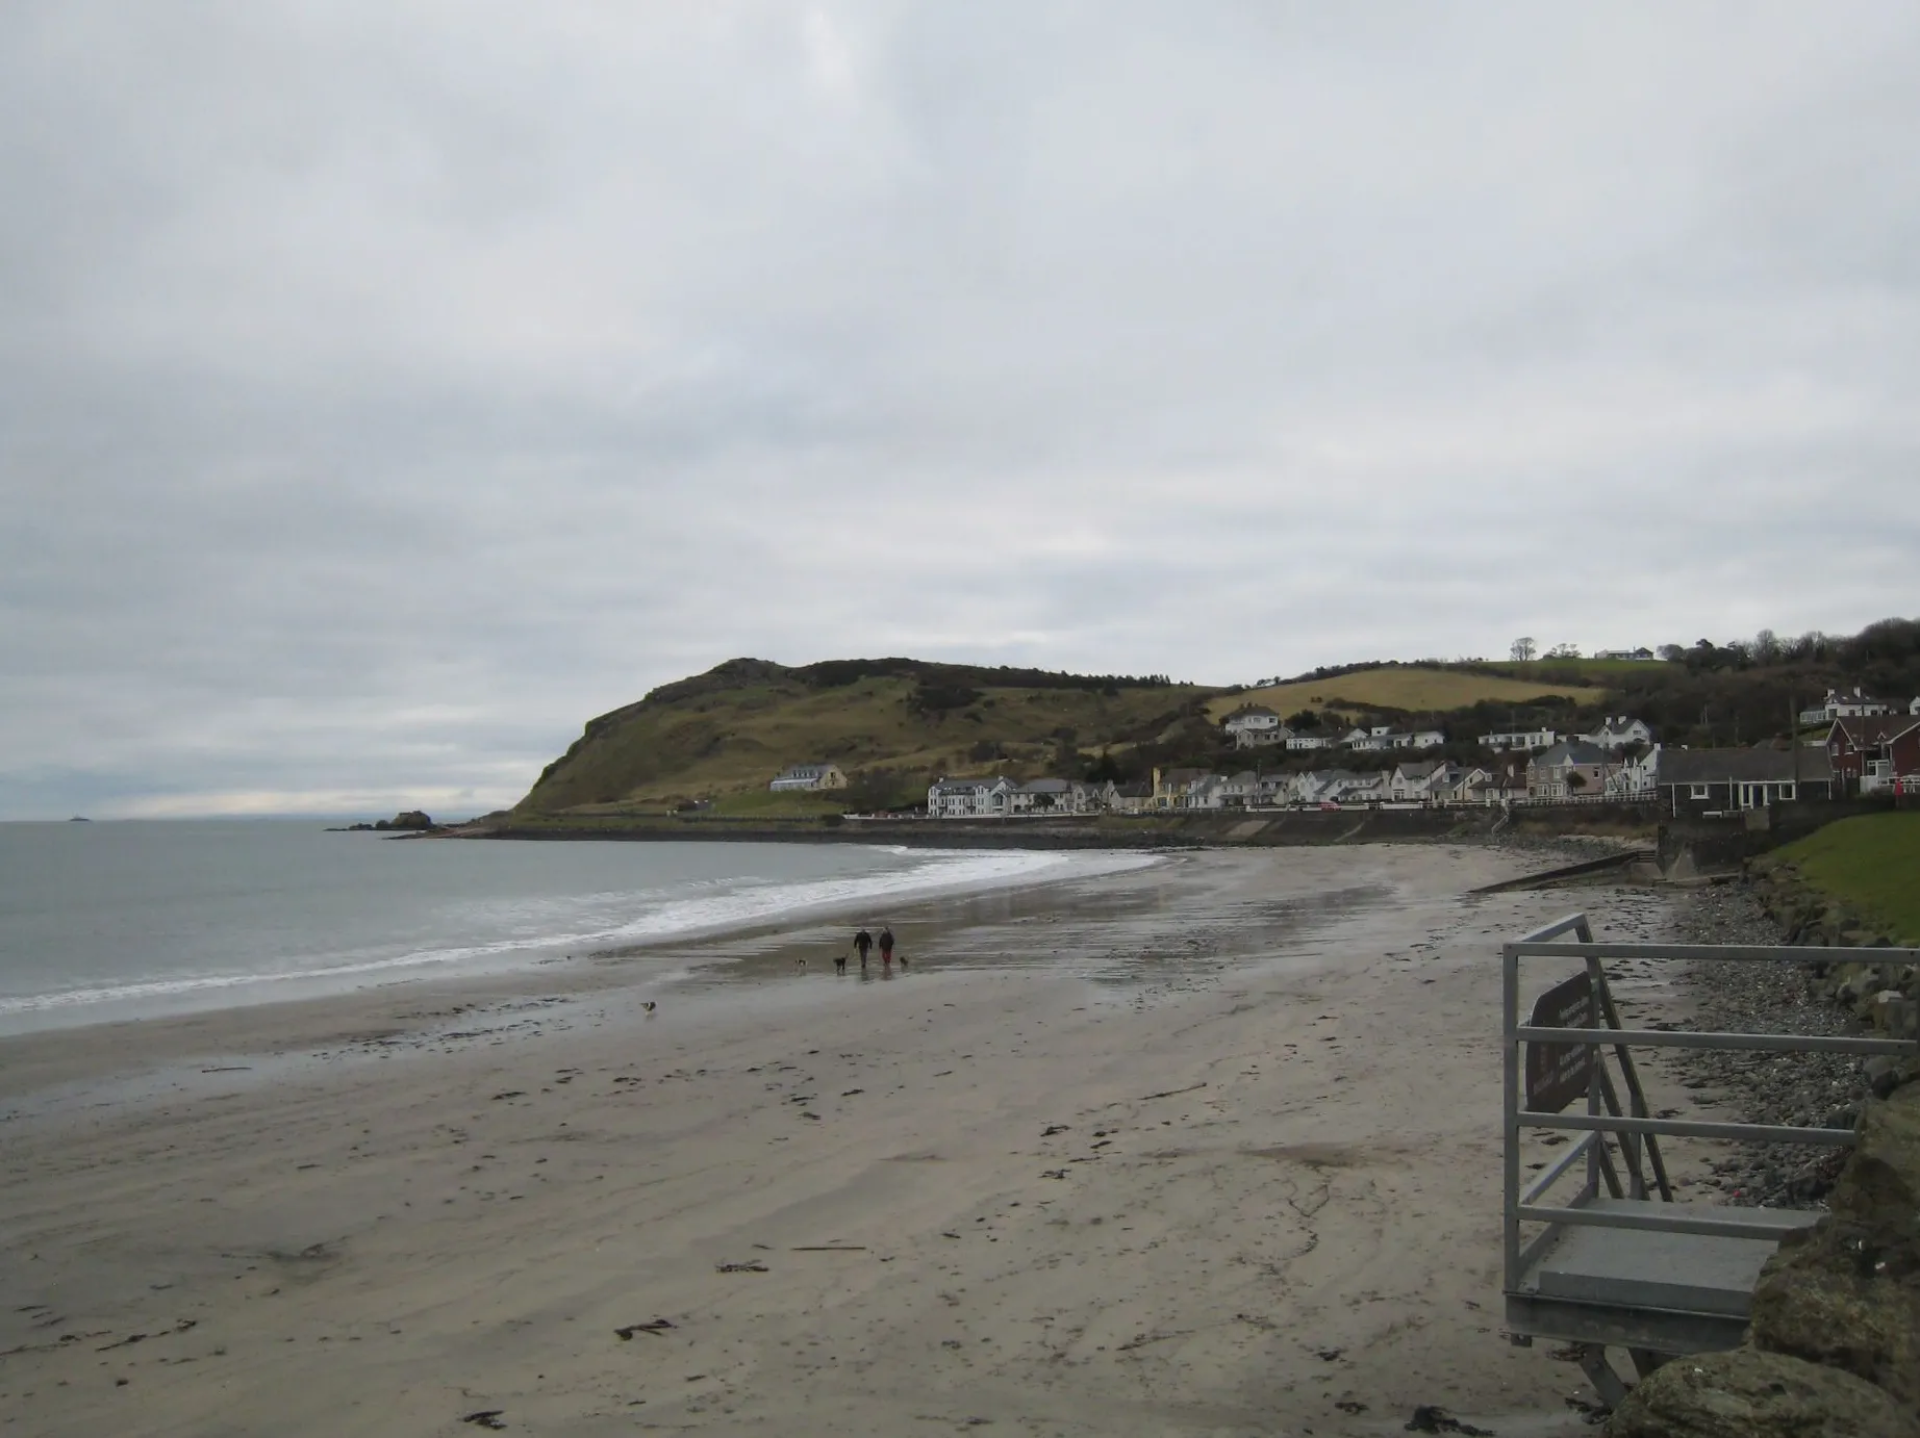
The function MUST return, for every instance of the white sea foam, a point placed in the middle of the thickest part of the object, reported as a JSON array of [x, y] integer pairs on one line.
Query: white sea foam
[[700, 907]]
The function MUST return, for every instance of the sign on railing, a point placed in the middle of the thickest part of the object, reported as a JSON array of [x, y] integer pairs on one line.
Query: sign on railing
[[1558, 1074]]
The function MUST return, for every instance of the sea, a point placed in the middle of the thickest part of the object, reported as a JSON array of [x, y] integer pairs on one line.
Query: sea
[[117, 920]]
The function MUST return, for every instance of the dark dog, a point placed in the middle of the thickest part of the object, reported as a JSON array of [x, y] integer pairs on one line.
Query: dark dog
[[840, 964]]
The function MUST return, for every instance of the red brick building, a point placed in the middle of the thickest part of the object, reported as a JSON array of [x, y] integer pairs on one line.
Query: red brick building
[[1871, 753]]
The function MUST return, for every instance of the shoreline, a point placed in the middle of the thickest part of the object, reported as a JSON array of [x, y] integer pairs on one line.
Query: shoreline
[[1208, 1147], [745, 909]]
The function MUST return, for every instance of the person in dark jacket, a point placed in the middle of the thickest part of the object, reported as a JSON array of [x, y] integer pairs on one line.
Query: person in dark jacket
[[886, 945], [863, 941]]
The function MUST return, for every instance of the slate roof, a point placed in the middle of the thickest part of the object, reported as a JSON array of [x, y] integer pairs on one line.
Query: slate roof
[[1741, 766], [1571, 751], [1876, 728]]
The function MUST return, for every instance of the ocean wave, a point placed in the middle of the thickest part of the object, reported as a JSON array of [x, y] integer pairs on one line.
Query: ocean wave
[[748, 900]]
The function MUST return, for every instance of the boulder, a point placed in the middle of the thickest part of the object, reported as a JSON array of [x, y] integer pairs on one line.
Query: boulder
[[1749, 1394], [1847, 1292], [406, 819]]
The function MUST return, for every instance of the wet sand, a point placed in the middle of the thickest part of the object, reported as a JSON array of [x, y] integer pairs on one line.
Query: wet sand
[[1207, 1148]]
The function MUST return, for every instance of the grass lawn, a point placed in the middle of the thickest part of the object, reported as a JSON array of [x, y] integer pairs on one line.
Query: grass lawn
[[1871, 862], [765, 804], [1414, 688]]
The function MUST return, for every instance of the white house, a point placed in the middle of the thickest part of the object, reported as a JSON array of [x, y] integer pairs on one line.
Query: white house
[[1635, 778], [970, 798], [1460, 786], [1618, 733], [1414, 782], [1241, 791], [1209, 791], [808, 776], [1252, 728], [1049, 796], [1381, 739], [1321, 741], [1846, 706], [1519, 740]]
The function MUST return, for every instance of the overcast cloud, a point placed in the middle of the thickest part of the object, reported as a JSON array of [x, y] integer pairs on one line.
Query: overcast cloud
[[385, 388]]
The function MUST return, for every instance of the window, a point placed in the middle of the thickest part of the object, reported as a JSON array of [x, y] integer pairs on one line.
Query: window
[[1787, 791], [1699, 791]]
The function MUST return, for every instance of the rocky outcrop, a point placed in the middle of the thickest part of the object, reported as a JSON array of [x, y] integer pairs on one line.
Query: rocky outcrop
[[1834, 1344], [1846, 1292], [1750, 1394], [406, 819], [1875, 991]]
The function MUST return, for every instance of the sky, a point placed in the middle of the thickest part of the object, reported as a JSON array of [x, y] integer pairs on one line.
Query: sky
[[388, 386]]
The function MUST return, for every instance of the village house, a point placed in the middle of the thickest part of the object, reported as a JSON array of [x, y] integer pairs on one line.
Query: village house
[[1324, 786], [1870, 754], [1382, 738], [1298, 741], [1460, 785], [1730, 781], [1634, 778], [1170, 787], [1572, 768], [1050, 796], [1845, 706], [1494, 789], [1130, 798], [1520, 741], [797, 777], [1619, 733], [970, 798], [1240, 791], [1209, 791], [1255, 727], [1642, 655], [1413, 783]]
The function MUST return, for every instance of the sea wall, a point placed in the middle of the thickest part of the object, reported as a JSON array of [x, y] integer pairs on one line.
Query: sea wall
[[1150, 831]]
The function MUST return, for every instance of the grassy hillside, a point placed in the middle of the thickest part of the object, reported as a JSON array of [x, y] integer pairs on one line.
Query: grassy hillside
[[726, 733], [1868, 863], [1414, 688]]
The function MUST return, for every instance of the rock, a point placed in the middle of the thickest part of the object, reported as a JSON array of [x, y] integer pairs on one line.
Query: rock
[[406, 819], [1847, 1291], [1749, 1394], [1886, 1072]]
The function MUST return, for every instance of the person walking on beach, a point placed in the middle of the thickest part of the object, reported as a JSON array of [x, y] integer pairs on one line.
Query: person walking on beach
[[863, 941], [886, 945]]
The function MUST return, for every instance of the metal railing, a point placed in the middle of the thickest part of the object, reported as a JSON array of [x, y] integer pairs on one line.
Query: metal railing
[[1634, 1131]]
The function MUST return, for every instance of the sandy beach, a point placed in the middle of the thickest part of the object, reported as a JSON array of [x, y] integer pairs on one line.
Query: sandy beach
[[1205, 1148]]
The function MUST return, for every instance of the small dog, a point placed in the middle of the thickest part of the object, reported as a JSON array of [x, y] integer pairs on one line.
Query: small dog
[[648, 1006], [800, 964], [840, 963]]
